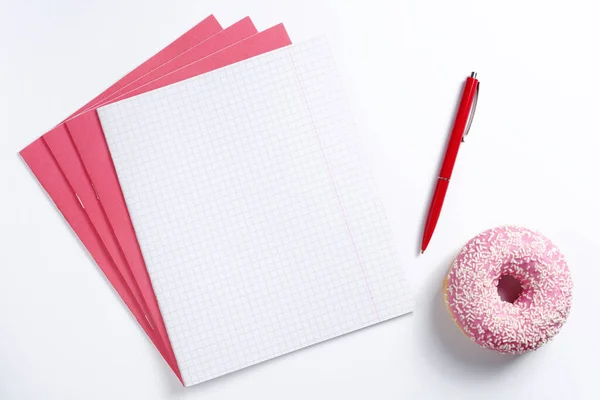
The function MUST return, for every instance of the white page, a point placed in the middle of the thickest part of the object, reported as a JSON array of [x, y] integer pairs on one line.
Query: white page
[[255, 210]]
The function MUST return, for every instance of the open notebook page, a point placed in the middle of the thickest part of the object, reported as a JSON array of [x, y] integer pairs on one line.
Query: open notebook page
[[255, 210]]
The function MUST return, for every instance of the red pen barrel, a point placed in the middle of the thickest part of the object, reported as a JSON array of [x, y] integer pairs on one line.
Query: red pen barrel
[[458, 131]]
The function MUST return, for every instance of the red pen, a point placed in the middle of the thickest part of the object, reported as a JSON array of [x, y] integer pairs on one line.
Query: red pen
[[462, 124]]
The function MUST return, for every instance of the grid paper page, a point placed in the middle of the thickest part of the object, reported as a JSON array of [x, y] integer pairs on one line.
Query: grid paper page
[[255, 210]]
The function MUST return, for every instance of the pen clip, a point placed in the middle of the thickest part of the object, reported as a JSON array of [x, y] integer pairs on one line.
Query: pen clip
[[473, 107]]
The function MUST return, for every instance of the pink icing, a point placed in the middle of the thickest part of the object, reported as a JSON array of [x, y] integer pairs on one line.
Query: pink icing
[[540, 310]]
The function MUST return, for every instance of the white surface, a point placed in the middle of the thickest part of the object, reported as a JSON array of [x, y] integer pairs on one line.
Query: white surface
[[258, 220], [531, 159]]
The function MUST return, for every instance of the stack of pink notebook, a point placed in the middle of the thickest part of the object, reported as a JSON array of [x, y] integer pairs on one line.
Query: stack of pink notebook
[[221, 190]]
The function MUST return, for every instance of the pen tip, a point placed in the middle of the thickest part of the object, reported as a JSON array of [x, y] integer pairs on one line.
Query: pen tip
[[422, 251]]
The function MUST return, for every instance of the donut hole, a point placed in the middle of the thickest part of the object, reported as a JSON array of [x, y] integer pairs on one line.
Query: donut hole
[[509, 288]]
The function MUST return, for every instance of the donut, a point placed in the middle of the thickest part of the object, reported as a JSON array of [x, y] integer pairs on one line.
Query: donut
[[542, 306]]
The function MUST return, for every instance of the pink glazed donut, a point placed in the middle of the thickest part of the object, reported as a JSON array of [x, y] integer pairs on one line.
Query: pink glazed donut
[[539, 311]]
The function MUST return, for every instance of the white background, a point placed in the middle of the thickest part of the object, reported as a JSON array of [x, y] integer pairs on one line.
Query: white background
[[531, 159]]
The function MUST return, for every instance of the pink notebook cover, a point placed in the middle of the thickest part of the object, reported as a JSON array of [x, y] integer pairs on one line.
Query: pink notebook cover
[[44, 164]]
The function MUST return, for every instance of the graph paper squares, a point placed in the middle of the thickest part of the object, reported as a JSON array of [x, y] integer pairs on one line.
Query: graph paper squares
[[255, 210]]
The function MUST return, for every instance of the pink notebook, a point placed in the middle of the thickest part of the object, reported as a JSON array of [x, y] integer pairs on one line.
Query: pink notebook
[[73, 156]]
